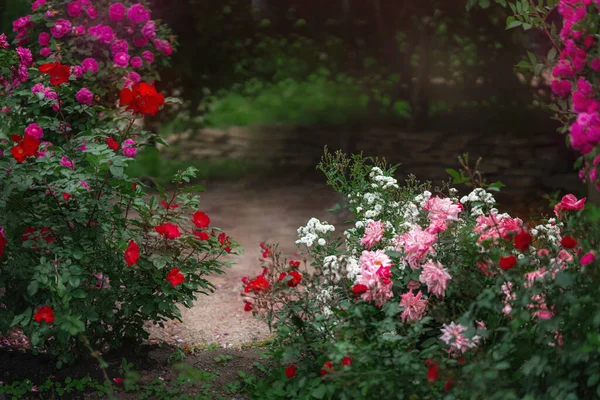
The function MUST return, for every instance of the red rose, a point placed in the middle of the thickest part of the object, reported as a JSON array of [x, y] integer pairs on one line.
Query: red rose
[[568, 242], [111, 143], [3, 243], [508, 262], [448, 385], [225, 242], [66, 196], [118, 381], [294, 264], [168, 230], [327, 368], [432, 372], [247, 306], [523, 240], [296, 279], [44, 314], [290, 371], [142, 98], [175, 277], [15, 138], [202, 235], [200, 219], [132, 254], [27, 147], [359, 289], [59, 73], [282, 276], [257, 285], [346, 361]]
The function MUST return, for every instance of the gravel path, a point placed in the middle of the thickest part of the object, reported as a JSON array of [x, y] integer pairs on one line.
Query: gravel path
[[250, 214]]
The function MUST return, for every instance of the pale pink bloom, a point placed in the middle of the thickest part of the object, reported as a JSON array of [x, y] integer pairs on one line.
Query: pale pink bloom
[[373, 234], [532, 276], [484, 267], [442, 209], [452, 335], [496, 226], [436, 226], [375, 274], [543, 253], [481, 325], [565, 256], [416, 244], [413, 285], [414, 306], [436, 277]]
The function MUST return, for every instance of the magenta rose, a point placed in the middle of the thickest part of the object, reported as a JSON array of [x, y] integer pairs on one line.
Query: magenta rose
[[138, 14], [121, 60], [74, 9], [117, 12], [45, 51], [148, 56], [84, 96], [35, 131], [44, 39], [136, 62], [89, 64], [119, 46], [61, 28], [163, 46], [149, 30]]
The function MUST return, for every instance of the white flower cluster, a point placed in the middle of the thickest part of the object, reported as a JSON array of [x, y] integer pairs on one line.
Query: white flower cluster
[[421, 199], [313, 232], [331, 268], [478, 195], [382, 181], [551, 231]]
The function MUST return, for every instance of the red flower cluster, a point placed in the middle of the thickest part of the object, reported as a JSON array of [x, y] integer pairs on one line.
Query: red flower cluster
[[26, 147], [201, 220], [257, 285], [202, 235], [58, 72], [327, 368], [508, 262], [44, 314], [296, 278], [142, 98], [523, 240], [294, 264], [168, 230], [132, 254], [225, 242], [175, 277], [36, 234]]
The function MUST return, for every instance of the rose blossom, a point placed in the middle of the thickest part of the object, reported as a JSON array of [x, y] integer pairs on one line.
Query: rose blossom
[[44, 39], [436, 277], [163, 46], [121, 60], [65, 162], [35, 131], [138, 14], [128, 149], [569, 202], [119, 46], [452, 335], [74, 9], [37, 3], [91, 12], [79, 30], [3, 42], [416, 245], [85, 185], [148, 56], [149, 30], [375, 274], [442, 209], [117, 12], [85, 96], [45, 52], [414, 306], [77, 71], [89, 64], [61, 28], [136, 62], [373, 234]]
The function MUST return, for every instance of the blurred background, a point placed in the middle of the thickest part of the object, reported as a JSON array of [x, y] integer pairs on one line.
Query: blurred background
[[267, 84]]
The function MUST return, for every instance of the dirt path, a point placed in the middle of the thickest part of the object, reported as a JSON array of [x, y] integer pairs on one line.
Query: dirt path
[[250, 214]]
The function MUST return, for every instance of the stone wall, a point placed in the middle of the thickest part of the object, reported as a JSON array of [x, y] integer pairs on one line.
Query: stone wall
[[532, 162]]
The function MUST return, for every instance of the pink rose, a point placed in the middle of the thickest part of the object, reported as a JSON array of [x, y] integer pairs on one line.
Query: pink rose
[[35, 131], [138, 14], [45, 51], [136, 62], [44, 39], [149, 30], [79, 30], [121, 60], [148, 56], [91, 12], [163, 46], [569, 202], [128, 149], [84, 96], [89, 64], [74, 9], [117, 12], [61, 28], [119, 46]]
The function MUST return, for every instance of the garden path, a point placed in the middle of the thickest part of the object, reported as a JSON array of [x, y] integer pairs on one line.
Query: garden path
[[250, 213]]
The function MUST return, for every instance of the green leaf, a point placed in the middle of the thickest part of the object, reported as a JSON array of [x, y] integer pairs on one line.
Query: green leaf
[[319, 392], [513, 24], [116, 171], [551, 54], [32, 288]]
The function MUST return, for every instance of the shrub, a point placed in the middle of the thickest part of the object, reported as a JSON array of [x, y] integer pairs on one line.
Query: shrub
[[86, 254], [428, 295]]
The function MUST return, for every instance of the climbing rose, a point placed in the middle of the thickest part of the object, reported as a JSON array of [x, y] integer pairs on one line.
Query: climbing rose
[[136, 62], [58, 72], [523, 240], [290, 371], [84, 96], [44, 39], [414, 306], [168, 230], [74, 9], [121, 60], [200, 219], [35, 131], [417, 244], [142, 98], [373, 234], [132, 254], [61, 28], [175, 277], [568, 242], [45, 314], [435, 276], [148, 56], [508, 262]]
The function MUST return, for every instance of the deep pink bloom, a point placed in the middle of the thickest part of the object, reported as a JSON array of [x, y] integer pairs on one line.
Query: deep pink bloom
[[91, 12], [149, 30], [85, 185], [74, 9], [414, 306], [373, 234], [596, 64], [163, 46], [436, 277], [561, 88], [119, 46], [138, 14], [45, 51], [37, 3], [587, 259], [569, 203], [117, 12], [61, 28], [128, 148], [77, 71], [148, 56], [89, 64], [85, 96], [34, 130], [79, 30], [136, 62], [44, 39], [65, 162], [121, 60]]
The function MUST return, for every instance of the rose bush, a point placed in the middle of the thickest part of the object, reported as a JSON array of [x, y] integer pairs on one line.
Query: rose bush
[[85, 253], [430, 295]]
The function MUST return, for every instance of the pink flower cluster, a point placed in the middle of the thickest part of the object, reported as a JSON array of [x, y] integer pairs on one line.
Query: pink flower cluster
[[375, 274], [497, 226], [452, 335], [20, 73]]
